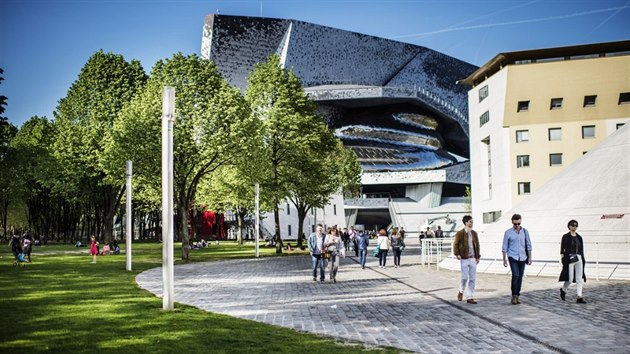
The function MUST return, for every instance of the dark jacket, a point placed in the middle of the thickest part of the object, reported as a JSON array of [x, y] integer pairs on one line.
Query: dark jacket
[[565, 251], [460, 245]]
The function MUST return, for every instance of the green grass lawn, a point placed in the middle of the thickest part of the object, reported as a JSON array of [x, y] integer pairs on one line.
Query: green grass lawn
[[64, 304]]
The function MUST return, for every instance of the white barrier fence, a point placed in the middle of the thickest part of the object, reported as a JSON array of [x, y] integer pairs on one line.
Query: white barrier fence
[[609, 259]]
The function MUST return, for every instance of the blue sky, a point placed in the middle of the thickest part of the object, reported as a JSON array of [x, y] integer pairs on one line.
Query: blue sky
[[45, 43]]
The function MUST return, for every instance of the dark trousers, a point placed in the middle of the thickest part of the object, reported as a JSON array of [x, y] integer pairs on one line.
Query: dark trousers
[[382, 257], [518, 270], [397, 252]]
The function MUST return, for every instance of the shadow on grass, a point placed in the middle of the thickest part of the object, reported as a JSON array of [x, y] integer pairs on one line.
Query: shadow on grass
[[64, 304]]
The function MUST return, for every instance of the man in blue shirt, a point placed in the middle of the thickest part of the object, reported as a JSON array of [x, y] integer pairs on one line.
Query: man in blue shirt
[[517, 247], [316, 249]]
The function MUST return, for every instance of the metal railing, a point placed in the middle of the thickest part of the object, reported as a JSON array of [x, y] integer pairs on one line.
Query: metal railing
[[433, 250]]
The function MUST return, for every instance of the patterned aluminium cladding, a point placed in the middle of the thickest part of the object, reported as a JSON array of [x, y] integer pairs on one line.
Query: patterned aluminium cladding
[[340, 68]]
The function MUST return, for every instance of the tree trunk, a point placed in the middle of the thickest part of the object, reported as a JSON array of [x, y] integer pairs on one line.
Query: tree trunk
[[301, 216], [278, 238], [182, 224], [5, 212], [239, 221]]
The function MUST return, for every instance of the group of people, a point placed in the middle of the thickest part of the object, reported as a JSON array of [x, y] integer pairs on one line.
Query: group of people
[[517, 253], [108, 248], [21, 247], [516, 250], [330, 247]]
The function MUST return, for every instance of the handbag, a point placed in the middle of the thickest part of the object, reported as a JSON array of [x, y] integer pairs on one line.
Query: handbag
[[376, 250], [573, 258]]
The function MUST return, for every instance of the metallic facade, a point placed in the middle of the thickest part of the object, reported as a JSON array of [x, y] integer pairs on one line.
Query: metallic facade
[[396, 104]]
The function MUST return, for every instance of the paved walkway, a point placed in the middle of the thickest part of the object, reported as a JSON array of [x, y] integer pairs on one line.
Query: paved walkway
[[410, 307]]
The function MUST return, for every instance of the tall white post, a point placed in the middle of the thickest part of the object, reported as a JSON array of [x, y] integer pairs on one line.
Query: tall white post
[[168, 119], [257, 229], [129, 216]]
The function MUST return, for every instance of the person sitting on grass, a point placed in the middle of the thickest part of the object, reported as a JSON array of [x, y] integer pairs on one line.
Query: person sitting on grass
[[106, 250], [115, 247]]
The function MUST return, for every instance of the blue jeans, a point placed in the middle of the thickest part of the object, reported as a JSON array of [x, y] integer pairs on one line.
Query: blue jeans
[[317, 259], [362, 255], [518, 270]]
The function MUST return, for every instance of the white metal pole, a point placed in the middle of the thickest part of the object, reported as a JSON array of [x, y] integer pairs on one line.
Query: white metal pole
[[257, 230], [168, 118], [129, 216]]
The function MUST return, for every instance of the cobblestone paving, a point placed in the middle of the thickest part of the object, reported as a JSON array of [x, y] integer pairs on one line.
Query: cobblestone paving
[[410, 307]]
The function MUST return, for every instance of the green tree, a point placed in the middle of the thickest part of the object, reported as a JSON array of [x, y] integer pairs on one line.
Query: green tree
[[36, 168], [211, 129], [321, 174], [3, 100], [292, 131], [84, 124], [8, 171]]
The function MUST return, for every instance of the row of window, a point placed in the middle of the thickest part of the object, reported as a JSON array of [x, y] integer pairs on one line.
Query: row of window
[[554, 134], [588, 132], [554, 160], [589, 101], [556, 103]]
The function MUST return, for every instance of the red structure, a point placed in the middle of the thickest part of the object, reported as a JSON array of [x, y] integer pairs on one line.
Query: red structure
[[207, 225]]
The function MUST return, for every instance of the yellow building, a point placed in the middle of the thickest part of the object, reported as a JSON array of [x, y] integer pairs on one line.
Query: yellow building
[[532, 113]]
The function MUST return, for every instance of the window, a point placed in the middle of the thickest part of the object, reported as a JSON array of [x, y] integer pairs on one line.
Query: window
[[483, 93], [556, 103], [522, 161], [522, 136], [524, 188], [486, 141], [619, 125], [523, 106], [624, 98], [334, 209], [589, 101], [555, 159], [485, 118], [555, 134], [288, 209], [588, 132], [289, 229]]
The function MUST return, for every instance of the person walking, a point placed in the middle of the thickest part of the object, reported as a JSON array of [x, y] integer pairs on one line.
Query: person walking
[[94, 248], [16, 245], [383, 247], [573, 262], [353, 237], [363, 241], [316, 249], [517, 247], [466, 249], [397, 246], [333, 245]]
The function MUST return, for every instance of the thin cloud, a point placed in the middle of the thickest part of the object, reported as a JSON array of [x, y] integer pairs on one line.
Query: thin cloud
[[609, 17], [551, 18]]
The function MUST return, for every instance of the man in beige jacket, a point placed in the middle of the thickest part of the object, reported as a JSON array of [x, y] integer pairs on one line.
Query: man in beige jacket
[[466, 249]]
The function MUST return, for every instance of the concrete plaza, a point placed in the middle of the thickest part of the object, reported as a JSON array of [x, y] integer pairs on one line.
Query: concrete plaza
[[410, 307]]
